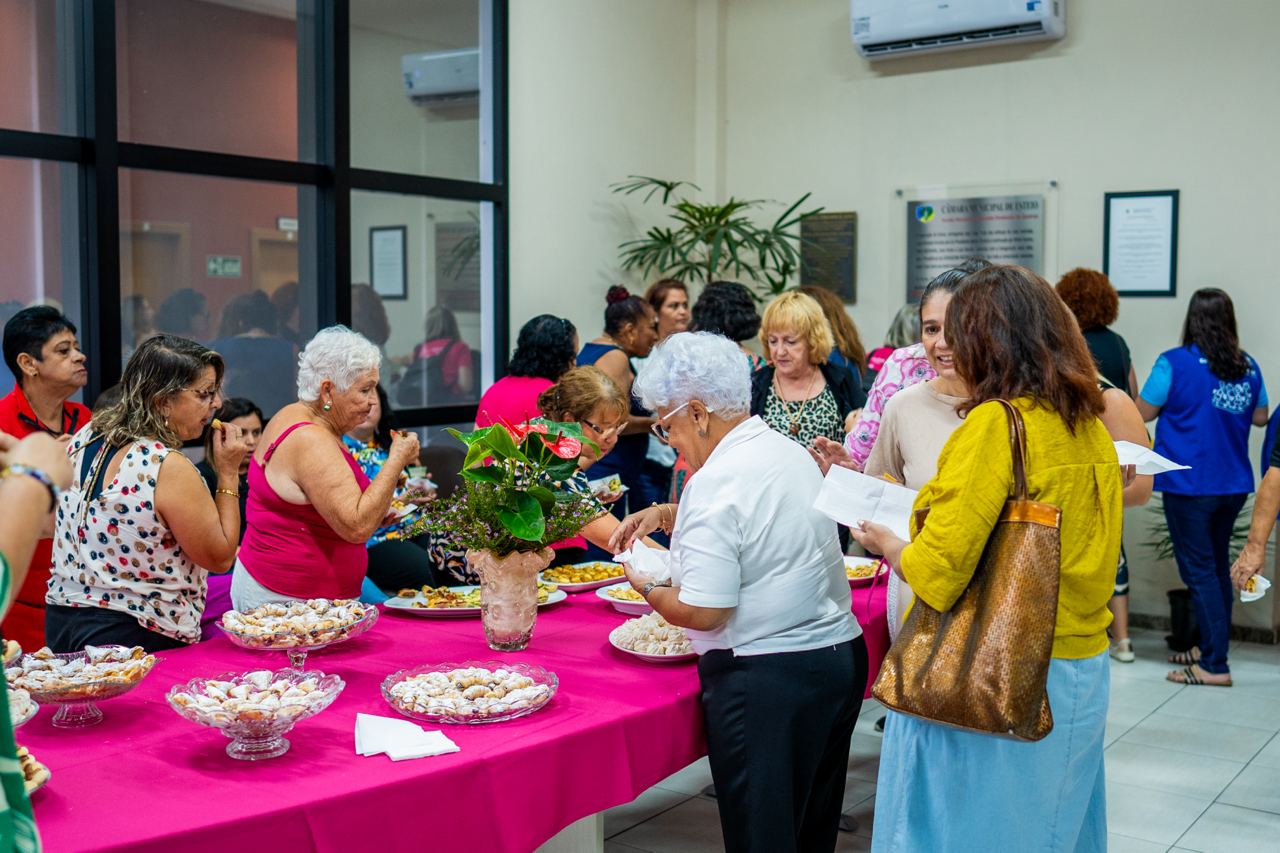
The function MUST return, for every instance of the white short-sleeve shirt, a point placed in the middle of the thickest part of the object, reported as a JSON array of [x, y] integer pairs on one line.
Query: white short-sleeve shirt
[[747, 537]]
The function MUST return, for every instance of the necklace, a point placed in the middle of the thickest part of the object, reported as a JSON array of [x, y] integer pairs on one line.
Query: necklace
[[795, 416]]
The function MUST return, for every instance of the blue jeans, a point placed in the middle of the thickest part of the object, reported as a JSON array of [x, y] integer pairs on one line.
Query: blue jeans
[[1200, 529]]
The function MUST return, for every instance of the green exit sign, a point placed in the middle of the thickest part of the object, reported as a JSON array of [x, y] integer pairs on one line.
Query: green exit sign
[[222, 266]]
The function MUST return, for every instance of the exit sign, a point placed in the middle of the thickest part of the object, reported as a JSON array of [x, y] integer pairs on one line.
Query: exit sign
[[222, 266]]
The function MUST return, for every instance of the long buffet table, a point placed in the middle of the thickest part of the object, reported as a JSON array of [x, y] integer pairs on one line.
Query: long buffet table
[[146, 779]]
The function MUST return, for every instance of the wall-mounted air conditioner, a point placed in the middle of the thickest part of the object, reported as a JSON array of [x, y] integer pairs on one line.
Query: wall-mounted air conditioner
[[883, 29], [449, 77]]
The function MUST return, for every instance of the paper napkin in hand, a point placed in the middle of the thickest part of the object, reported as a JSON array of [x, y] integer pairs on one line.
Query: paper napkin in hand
[[650, 562], [1146, 459], [848, 497], [398, 739]]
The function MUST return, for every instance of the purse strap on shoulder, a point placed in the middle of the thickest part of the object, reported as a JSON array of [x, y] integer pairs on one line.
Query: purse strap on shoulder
[[1018, 445]]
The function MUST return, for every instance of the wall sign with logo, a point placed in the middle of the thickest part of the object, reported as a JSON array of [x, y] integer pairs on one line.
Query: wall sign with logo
[[942, 233], [223, 266]]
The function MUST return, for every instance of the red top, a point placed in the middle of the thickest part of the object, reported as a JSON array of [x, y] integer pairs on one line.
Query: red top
[[25, 621], [290, 549], [457, 355], [513, 399]]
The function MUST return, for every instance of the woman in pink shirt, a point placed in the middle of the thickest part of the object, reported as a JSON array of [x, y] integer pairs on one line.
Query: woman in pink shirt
[[311, 508], [545, 349]]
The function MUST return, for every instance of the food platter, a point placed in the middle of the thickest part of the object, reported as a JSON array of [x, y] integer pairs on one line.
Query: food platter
[[558, 574], [470, 693], [624, 605], [863, 570], [646, 637], [415, 605]]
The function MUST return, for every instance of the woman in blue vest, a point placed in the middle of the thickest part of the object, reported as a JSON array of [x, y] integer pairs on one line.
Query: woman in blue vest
[[1207, 393]]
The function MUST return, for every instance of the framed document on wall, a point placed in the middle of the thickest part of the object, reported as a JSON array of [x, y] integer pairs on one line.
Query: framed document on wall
[[389, 261], [1140, 242]]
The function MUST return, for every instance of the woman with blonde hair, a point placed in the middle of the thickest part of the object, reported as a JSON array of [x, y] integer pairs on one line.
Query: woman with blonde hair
[[138, 531], [799, 393]]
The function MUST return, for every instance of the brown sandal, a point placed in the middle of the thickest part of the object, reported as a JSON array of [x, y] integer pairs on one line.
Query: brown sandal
[[1188, 676], [1186, 658]]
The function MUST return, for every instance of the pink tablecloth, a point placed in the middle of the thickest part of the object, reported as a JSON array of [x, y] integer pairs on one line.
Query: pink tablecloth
[[147, 780], [869, 603]]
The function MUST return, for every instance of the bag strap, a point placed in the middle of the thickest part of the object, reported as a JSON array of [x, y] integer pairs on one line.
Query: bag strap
[[1018, 446]]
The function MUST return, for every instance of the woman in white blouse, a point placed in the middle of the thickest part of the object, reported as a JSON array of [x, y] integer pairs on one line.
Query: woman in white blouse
[[757, 578]]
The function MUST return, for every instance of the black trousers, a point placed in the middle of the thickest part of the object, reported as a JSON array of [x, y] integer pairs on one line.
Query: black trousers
[[70, 629], [402, 564], [778, 732]]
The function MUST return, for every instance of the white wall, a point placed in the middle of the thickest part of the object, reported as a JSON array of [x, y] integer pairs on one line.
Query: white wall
[[599, 89]]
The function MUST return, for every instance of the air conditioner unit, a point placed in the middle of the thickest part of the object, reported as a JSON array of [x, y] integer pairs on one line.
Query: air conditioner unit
[[883, 29], [448, 77]]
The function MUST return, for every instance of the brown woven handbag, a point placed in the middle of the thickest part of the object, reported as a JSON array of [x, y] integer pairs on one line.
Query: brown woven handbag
[[984, 664]]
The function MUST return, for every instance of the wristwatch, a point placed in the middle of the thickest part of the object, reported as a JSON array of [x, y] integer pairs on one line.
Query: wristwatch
[[651, 586]]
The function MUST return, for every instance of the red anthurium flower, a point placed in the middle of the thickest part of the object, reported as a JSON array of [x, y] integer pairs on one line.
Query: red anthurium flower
[[518, 432], [566, 447]]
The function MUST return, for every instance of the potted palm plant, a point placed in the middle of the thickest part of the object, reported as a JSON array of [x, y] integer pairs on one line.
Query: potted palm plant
[[514, 502], [708, 240]]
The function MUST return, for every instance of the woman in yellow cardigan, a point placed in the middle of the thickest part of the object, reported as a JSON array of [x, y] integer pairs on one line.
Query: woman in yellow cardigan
[[941, 788]]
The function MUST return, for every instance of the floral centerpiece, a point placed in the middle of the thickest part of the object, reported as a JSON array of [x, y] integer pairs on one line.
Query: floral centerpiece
[[517, 497]]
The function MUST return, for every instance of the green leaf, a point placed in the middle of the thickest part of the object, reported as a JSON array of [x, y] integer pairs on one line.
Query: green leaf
[[501, 445], [543, 496], [486, 474], [526, 521], [475, 455]]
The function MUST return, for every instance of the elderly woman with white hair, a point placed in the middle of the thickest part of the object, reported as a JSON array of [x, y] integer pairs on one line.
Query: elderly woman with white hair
[[311, 509], [757, 579]]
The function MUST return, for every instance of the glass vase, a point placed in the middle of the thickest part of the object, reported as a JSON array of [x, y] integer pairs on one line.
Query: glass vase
[[508, 595]]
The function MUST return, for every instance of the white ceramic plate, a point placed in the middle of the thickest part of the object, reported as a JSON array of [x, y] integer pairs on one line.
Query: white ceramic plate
[[654, 658], [583, 587], [405, 605], [858, 562], [631, 608]]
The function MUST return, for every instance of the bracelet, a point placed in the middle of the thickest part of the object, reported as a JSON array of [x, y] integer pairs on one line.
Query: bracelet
[[662, 519], [40, 477], [235, 495]]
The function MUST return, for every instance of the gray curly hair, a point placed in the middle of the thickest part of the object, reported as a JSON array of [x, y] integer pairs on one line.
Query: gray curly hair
[[696, 366], [338, 354]]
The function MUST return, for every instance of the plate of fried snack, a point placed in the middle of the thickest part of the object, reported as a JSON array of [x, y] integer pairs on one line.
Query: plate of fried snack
[[456, 601], [652, 638], [34, 774], [255, 709], [21, 708], [470, 693], [581, 577], [863, 570], [624, 599], [76, 680]]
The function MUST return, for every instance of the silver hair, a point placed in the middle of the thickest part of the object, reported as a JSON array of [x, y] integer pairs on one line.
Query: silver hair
[[338, 354], [696, 366], [905, 328]]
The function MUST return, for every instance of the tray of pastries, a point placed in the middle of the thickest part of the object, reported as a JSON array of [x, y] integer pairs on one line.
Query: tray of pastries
[[471, 692], [310, 624], [456, 601], [34, 774], [624, 599], [97, 672], [581, 577], [21, 708], [652, 638]]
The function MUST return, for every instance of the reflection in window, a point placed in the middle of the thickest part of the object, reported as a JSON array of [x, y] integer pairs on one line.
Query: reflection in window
[[421, 302], [36, 43], [203, 258]]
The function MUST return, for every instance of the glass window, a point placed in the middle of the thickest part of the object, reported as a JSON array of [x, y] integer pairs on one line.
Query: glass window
[[38, 228], [214, 76], [420, 88], [205, 258], [421, 289], [37, 66]]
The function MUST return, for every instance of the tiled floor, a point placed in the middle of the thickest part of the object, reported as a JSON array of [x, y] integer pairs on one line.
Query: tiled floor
[[1188, 768]]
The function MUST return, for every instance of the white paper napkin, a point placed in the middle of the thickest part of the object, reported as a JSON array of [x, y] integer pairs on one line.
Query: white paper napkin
[[1147, 460], [398, 739], [848, 497], [651, 562]]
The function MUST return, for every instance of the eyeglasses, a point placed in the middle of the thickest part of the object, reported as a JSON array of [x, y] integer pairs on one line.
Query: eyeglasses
[[663, 433], [206, 397], [616, 429]]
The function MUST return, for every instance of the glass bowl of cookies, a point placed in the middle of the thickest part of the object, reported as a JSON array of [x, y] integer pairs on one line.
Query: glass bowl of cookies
[[77, 681], [298, 627], [472, 693], [21, 708], [255, 709]]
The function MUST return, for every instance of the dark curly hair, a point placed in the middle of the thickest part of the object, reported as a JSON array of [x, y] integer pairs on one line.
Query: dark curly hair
[[623, 309], [1211, 325], [1091, 297], [545, 347], [726, 308]]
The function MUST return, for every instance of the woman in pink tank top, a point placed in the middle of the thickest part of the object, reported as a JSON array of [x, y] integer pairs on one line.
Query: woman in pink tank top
[[310, 508]]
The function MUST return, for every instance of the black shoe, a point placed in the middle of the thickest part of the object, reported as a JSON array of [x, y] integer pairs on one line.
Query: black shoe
[[880, 724]]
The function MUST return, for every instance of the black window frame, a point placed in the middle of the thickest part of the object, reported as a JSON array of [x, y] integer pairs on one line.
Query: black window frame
[[99, 154]]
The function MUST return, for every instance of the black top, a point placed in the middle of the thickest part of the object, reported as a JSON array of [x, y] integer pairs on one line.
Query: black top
[[848, 393], [211, 480], [1111, 354]]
